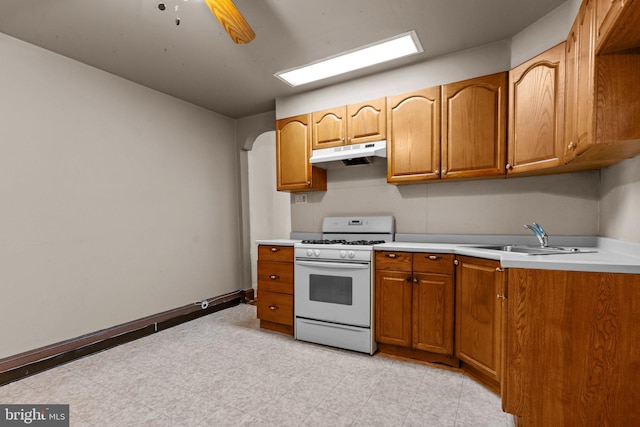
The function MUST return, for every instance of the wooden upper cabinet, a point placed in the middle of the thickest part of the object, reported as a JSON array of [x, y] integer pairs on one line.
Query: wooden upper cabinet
[[580, 81], [474, 127], [607, 11], [350, 124], [617, 23], [413, 136], [536, 112], [293, 149], [329, 128], [366, 121]]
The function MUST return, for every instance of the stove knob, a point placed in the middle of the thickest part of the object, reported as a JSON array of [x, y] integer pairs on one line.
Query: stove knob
[[309, 252], [317, 252], [343, 254], [352, 254]]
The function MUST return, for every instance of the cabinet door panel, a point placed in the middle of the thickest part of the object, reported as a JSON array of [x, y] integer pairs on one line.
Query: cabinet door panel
[[367, 121], [536, 106], [275, 307], [275, 276], [329, 128], [413, 136], [478, 315], [474, 127], [393, 308], [292, 152], [433, 297]]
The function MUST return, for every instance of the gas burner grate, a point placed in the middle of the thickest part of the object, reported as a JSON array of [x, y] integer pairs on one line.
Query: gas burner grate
[[343, 242], [325, 242]]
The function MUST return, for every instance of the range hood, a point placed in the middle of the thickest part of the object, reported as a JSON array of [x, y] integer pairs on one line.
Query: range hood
[[355, 154]]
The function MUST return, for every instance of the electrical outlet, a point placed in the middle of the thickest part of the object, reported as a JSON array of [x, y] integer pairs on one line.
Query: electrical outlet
[[300, 199]]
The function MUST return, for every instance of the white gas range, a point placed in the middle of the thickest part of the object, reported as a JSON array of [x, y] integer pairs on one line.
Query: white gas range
[[333, 286]]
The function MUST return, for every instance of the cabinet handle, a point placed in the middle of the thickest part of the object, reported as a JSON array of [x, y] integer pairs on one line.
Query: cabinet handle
[[309, 183], [392, 256], [409, 279], [432, 257], [274, 277], [444, 171], [273, 307], [571, 146], [342, 139], [275, 249], [499, 269], [456, 262], [500, 296], [508, 166], [437, 171], [415, 280]]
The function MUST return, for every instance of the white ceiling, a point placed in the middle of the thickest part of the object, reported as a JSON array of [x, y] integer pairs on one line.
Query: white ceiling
[[197, 61]]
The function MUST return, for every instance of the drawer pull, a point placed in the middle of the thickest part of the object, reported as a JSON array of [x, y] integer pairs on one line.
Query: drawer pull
[[274, 277], [433, 257], [275, 249], [392, 256], [273, 307]]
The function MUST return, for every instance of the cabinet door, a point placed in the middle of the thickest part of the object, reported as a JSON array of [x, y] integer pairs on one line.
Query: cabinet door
[[433, 313], [474, 127], [580, 75], [393, 307], [479, 282], [413, 136], [293, 149], [367, 121], [329, 128], [536, 112]]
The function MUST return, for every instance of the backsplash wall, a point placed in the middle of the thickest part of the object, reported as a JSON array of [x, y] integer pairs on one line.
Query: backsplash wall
[[564, 204]]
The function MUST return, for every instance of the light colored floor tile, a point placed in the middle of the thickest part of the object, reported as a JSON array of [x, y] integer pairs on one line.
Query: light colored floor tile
[[223, 370]]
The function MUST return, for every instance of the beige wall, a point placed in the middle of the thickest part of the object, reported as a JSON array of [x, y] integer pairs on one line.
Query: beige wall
[[563, 204], [117, 201], [620, 201]]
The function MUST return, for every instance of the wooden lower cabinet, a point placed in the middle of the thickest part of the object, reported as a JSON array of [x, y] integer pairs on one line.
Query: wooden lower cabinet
[[275, 288], [572, 348], [414, 305], [480, 293]]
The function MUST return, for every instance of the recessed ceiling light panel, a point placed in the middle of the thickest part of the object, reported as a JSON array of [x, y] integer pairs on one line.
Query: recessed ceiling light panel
[[386, 50]]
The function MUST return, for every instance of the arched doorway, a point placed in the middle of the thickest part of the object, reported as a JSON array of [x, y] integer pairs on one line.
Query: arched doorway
[[269, 210]]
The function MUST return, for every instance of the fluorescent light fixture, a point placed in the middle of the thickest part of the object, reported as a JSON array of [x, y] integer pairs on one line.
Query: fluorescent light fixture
[[392, 48]]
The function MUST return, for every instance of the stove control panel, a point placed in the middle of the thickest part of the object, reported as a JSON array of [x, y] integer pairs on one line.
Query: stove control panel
[[334, 253]]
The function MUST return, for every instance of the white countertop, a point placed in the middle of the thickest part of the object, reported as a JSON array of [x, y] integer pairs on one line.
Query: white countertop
[[278, 242], [609, 258]]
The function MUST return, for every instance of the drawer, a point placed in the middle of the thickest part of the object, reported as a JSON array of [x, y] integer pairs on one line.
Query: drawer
[[275, 276], [275, 307], [392, 260], [433, 263], [275, 253]]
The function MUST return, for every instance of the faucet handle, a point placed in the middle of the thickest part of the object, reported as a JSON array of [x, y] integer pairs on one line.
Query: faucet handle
[[540, 229]]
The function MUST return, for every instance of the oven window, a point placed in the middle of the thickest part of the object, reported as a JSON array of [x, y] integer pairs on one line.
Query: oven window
[[331, 289]]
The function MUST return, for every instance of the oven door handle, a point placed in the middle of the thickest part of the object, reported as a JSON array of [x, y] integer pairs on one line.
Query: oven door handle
[[346, 265]]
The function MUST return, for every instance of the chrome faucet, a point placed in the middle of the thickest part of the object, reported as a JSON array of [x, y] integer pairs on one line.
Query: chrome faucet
[[542, 236]]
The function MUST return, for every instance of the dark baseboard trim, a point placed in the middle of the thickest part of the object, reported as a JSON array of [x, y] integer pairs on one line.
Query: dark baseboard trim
[[31, 362]]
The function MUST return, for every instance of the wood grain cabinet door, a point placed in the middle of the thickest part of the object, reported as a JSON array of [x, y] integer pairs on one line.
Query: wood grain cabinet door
[[479, 285], [293, 150], [329, 128], [536, 112], [367, 121], [413, 136], [393, 307], [432, 329], [474, 128], [580, 82]]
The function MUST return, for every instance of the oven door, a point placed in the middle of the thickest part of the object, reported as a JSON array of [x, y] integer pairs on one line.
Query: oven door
[[338, 292]]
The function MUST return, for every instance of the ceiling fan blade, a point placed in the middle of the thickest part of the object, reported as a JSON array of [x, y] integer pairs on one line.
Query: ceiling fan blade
[[232, 20]]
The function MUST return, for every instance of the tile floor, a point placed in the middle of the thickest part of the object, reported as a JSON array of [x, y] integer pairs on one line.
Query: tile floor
[[222, 370]]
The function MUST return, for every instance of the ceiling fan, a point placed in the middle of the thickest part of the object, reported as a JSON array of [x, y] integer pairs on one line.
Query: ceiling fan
[[232, 20]]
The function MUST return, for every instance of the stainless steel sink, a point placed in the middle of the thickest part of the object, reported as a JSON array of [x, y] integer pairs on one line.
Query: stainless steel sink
[[536, 250]]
